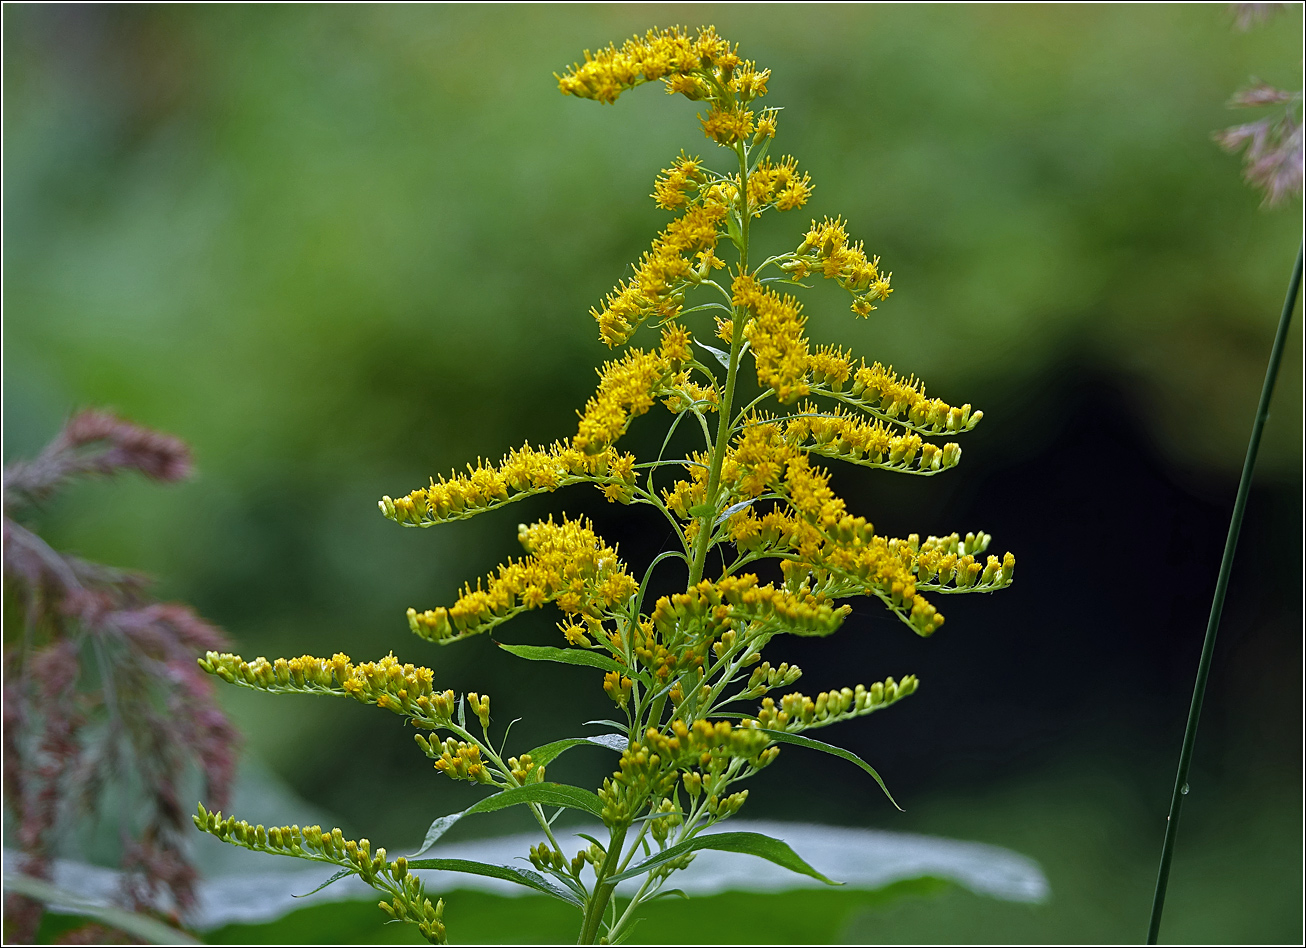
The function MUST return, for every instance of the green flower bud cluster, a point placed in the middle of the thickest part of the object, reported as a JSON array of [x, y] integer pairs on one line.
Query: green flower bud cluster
[[765, 678], [950, 564], [480, 707], [737, 602], [641, 775], [404, 907], [402, 688], [723, 808], [525, 770], [408, 901], [712, 747], [545, 858], [797, 712], [662, 826]]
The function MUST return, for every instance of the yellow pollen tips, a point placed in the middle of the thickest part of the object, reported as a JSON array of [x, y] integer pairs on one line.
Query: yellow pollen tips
[[567, 563], [775, 333]]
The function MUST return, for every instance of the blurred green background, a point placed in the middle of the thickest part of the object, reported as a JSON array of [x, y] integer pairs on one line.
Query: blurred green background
[[341, 249]]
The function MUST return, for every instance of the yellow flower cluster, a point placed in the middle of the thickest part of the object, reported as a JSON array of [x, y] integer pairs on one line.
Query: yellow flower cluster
[[656, 289], [566, 563], [775, 334], [727, 124], [825, 249], [403, 688], [408, 900], [778, 185], [685, 394], [765, 678], [746, 81], [798, 712], [701, 743], [830, 366], [736, 602], [882, 392], [456, 759], [670, 54], [627, 387], [671, 188], [843, 435], [766, 125], [866, 564], [618, 688], [522, 473], [941, 561]]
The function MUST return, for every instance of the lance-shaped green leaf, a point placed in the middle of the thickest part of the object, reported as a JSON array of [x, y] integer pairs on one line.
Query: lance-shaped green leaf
[[523, 877], [334, 878], [783, 737], [752, 844], [721, 356], [569, 656], [548, 752], [550, 794]]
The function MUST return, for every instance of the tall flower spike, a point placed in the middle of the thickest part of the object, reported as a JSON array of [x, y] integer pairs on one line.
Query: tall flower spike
[[684, 670]]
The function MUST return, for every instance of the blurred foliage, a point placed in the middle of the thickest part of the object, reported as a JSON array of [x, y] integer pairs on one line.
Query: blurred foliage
[[339, 250]]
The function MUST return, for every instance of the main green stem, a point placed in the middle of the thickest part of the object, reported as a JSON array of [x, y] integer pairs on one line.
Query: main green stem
[[598, 903], [1217, 606], [603, 889], [708, 520]]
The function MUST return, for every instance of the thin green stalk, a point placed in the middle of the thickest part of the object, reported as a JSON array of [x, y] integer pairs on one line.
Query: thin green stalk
[[1217, 606], [727, 399], [598, 902]]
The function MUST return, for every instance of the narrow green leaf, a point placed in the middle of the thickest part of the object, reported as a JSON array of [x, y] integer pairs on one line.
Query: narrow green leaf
[[547, 752], [523, 877], [703, 306], [721, 355], [732, 510], [335, 878], [608, 722], [439, 827], [752, 844], [569, 656], [759, 155], [550, 794], [783, 737], [667, 893]]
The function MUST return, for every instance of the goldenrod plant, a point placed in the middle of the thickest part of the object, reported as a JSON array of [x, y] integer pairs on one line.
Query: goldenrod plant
[[686, 672]]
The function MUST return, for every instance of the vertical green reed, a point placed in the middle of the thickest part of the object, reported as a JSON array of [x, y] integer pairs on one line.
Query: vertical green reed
[[1217, 606]]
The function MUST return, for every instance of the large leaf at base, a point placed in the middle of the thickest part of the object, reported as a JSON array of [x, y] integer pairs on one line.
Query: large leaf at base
[[525, 877], [568, 656], [783, 737], [546, 753], [550, 794], [752, 844]]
